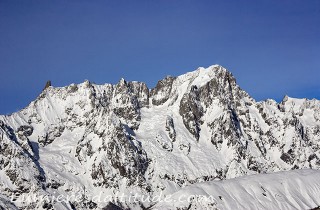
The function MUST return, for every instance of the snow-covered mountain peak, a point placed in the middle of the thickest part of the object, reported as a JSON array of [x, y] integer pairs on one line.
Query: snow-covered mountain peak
[[203, 75], [196, 127]]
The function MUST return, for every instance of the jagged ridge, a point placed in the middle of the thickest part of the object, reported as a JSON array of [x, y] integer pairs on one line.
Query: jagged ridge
[[196, 127]]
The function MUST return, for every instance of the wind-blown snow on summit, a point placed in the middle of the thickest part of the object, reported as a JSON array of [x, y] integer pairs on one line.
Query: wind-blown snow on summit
[[93, 139]]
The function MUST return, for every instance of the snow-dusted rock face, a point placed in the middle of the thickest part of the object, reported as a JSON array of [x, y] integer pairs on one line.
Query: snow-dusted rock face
[[89, 140]]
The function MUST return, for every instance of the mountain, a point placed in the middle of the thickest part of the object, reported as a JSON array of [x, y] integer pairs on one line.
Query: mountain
[[84, 142]]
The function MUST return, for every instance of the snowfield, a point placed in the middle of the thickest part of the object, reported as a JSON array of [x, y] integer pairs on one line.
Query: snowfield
[[298, 189]]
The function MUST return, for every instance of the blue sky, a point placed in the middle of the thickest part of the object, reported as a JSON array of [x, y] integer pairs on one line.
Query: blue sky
[[272, 47]]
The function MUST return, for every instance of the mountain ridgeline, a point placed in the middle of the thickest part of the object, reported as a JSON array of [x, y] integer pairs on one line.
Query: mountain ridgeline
[[197, 127]]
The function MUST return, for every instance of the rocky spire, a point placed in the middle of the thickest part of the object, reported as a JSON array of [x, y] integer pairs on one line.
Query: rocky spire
[[48, 84]]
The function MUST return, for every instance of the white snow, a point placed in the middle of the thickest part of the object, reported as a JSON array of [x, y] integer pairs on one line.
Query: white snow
[[298, 189]]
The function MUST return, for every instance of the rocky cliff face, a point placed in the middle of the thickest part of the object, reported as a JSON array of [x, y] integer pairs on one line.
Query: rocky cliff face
[[88, 139]]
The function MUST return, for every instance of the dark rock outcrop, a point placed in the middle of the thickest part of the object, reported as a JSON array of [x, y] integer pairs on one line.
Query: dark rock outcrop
[[48, 84], [192, 111], [161, 93]]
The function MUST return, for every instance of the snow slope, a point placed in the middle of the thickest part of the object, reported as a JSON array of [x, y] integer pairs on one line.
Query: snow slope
[[298, 189]]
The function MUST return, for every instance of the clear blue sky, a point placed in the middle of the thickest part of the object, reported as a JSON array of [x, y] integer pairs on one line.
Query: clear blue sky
[[271, 46]]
